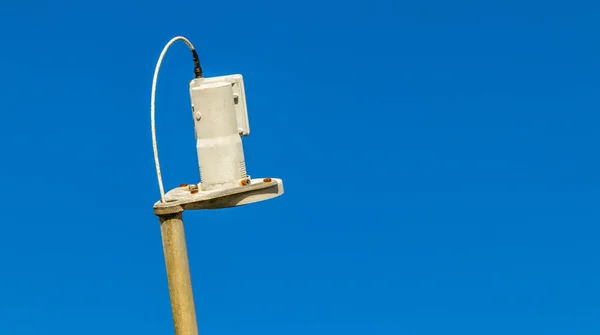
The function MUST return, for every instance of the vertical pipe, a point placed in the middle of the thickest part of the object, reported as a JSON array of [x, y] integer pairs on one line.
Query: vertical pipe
[[178, 274]]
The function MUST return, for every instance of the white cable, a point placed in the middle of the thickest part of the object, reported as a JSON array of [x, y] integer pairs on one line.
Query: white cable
[[152, 109]]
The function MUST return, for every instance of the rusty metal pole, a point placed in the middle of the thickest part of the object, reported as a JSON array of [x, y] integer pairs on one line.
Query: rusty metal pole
[[178, 274]]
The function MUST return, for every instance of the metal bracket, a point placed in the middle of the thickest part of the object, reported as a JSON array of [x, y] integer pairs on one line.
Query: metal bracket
[[189, 197]]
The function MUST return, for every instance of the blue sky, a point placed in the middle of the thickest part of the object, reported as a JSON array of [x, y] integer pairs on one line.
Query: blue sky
[[439, 159]]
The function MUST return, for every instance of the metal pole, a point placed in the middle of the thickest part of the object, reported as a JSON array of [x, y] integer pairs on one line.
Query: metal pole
[[178, 274]]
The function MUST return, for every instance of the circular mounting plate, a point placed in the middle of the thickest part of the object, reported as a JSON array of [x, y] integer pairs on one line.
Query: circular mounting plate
[[182, 198]]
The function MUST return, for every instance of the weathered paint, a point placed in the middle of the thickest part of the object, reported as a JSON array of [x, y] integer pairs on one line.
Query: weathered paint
[[178, 274]]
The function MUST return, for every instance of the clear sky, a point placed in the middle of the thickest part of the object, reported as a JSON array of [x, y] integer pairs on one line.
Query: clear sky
[[440, 161]]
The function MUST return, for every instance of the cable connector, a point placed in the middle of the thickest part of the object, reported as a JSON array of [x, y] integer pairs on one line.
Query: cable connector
[[197, 67]]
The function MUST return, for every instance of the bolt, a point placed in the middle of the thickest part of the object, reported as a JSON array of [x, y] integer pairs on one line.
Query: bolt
[[193, 189], [245, 182]]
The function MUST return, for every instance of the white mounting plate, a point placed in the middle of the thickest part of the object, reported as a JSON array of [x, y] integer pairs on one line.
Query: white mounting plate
[[241, 110], [259, 189]]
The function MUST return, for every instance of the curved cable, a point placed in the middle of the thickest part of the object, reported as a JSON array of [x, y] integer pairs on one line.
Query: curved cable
[[197, 73]]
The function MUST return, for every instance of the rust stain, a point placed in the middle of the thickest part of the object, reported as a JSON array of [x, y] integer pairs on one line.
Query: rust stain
[[244, 182], [183, 185], [267, 180], [193, 189]]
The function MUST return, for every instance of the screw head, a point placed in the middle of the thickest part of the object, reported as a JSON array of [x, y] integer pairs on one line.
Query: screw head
[[193, 189]]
